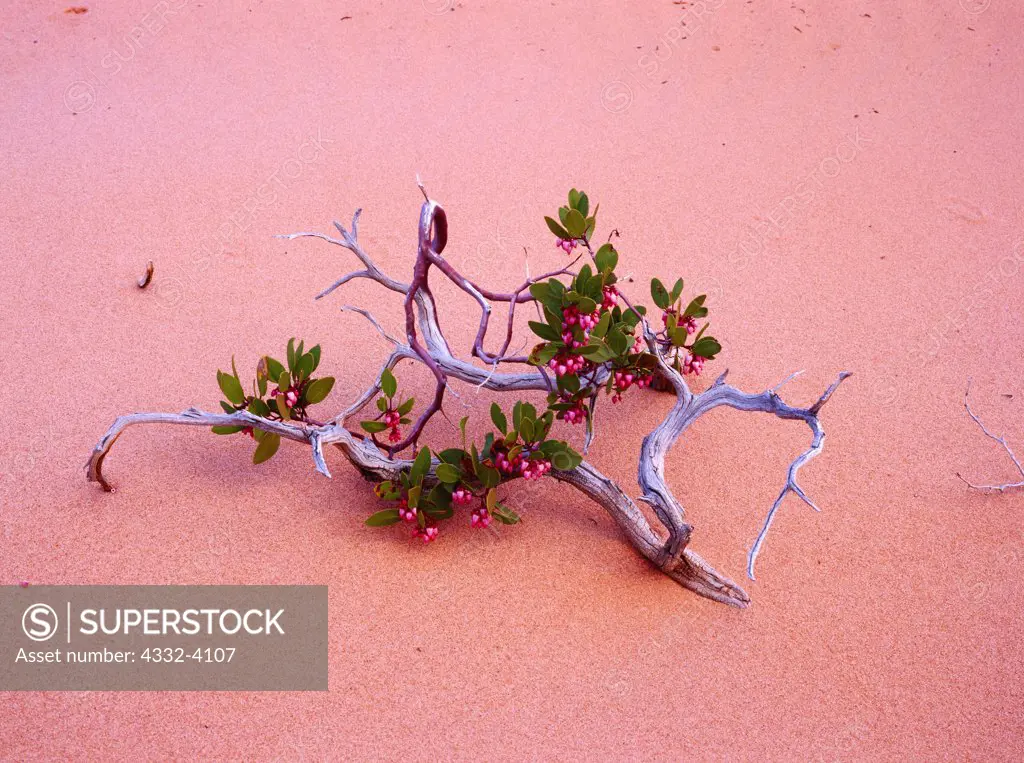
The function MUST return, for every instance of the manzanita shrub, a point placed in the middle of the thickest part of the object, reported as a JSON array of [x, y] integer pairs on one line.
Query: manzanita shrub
[[292, 391], [590, 344], [591, 341]]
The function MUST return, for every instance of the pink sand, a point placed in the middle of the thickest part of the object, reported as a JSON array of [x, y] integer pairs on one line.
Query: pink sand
[[886, 627]]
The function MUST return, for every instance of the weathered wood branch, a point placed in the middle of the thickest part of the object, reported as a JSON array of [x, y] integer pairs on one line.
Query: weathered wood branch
[[665, 547], [1001, 439]]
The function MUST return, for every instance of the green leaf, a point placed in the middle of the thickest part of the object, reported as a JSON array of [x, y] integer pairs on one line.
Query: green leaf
[[274, 368], [505, 515], [551, 447], [267, 448], [557, 229], [227, 407], [452, 456], [706, 347], [405, 407], [583, 204], [384, 518], [570, 382], [543, 353], [231, 388], [420, 466], [488, 476], [696, 307], [492, 499], [261, 376], [561, 461], [540, 291], [575, 223], [284, 381], [448, 474], [632, 317], [315, 352], [373, 427], [291, 354], [587, 305], [677, 290], [226, 429], [442, 500], [282, 407], [259, 408], [526, 429], [318, 389], [382, 404], [606, 258], [617, 341], [597, 351], [574, 198], [387, 490], [305, 366], [602, 325], [544, 331], [388, 383], [414, 496], [499, 418], [660, 294], [544, 425], [574, 457]]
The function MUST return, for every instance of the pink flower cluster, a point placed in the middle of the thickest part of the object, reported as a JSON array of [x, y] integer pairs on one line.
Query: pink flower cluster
[[571, 316], [689, 323], [576, 415], [565, 244], [565, 363], [392, 419], [623, 380], [480, 518], [535, 468], [405, 513], [461, 497], [693, 364], [522, 465], [611, 297], [428, 533], [291, 395]]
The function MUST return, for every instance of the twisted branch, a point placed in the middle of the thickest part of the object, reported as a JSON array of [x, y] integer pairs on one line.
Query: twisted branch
[[1001, 439], [665, 547]]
